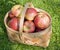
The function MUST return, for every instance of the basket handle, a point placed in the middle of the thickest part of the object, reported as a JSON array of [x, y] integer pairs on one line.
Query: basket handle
[[27, 5]]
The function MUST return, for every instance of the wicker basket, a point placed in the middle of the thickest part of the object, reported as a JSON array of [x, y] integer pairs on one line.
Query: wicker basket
[[41, 38]]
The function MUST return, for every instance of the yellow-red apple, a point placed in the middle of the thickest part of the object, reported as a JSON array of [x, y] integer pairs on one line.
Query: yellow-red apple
[[29, 26], [30, 13], [16, 10]]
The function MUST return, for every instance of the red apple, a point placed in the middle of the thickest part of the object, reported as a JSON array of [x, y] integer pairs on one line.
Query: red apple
[[42, 20], [13, 23], [29, 26], [30, 13], [11, 15]]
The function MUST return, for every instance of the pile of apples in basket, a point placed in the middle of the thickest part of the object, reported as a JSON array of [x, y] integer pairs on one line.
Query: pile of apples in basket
[[32, 25], [34, 21]]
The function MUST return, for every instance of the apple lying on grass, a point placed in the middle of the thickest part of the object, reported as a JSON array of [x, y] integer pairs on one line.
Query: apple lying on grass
[[42, 20], [13, 23], [29, 26], [30, 13]]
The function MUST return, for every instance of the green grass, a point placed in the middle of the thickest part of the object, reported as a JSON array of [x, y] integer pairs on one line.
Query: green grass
[[51, 6]]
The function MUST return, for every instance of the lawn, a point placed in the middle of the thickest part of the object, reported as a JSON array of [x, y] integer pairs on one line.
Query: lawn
[[51, 6]]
